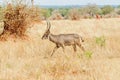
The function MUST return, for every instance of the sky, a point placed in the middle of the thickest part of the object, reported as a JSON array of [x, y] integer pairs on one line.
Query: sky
[[74, 2], [77, 2]]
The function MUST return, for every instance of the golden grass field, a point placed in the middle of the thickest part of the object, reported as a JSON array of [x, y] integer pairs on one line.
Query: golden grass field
[[30, 59]]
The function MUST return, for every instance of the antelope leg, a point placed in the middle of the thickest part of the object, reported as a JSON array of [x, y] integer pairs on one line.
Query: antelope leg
[[74, 47], [63, 48], [80, 46], [54, 50]]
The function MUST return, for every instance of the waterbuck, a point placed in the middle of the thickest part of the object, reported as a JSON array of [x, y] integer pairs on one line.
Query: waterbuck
[[63, 40]]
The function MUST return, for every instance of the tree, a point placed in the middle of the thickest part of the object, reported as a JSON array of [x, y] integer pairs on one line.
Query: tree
[[107, 9], [64, 12], [90, 10]]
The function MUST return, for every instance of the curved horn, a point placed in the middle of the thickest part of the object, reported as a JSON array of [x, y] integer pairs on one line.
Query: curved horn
[[48, 24]]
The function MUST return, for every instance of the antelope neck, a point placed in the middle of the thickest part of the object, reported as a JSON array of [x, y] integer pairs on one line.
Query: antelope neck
[[51, 37]]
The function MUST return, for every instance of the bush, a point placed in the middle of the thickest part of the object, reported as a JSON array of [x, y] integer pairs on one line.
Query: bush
[[56, 15], [74, 14], [17, 17]]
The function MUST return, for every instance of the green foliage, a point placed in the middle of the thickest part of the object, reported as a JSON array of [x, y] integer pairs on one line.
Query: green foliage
[[64, 11], [88, 54], [100, 41], [107, 9], [46, 12]]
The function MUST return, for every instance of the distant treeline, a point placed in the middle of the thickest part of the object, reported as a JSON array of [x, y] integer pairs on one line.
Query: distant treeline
[[74, 12], [77, 12], [70, 6]]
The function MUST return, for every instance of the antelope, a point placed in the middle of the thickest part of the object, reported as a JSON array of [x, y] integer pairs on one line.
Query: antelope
[[63, 40]]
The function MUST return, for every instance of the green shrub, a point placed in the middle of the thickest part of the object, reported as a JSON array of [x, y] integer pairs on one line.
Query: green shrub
[[88, 54], [100, 41]]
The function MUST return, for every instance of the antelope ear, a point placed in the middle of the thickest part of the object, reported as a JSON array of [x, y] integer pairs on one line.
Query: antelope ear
[[48, 24]]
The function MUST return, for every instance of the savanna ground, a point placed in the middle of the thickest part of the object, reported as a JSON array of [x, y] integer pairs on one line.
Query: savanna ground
[[29, 59]]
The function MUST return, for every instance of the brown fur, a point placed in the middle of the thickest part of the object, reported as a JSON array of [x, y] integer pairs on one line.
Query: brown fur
[[63, 40]]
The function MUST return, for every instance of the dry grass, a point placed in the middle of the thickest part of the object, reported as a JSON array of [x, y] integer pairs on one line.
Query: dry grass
[[25, 59]]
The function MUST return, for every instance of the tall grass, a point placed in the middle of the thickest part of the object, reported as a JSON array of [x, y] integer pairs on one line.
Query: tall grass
[[26, 59]]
